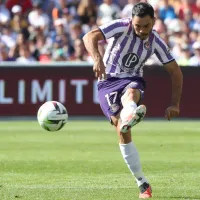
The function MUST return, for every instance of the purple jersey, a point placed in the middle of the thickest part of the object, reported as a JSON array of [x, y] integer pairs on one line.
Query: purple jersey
[[126, 53]]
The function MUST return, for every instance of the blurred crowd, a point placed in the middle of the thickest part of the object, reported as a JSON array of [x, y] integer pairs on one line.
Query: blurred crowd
[[52, 30]]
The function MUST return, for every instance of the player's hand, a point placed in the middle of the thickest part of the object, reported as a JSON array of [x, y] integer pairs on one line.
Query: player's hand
[[172, 111], [99, 69]]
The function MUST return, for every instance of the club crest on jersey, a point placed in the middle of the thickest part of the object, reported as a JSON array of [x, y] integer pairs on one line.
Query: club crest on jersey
[[129, 61], [147, 45]]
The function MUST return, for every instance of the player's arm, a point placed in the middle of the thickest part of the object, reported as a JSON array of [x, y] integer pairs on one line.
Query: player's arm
[[91, 43], [177, 82]]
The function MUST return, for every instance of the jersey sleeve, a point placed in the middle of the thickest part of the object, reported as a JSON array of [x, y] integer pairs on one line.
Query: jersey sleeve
[[114, 27], [162, 51]]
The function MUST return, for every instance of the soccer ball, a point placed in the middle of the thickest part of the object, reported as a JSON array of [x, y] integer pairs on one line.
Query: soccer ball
[[52, 116]]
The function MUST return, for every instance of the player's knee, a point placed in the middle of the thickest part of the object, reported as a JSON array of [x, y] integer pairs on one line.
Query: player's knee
[[130, 95]]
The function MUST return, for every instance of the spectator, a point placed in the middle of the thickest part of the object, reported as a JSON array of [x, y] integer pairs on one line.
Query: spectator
[[184, 58], [108, 11], [62, 45], [25, 55], [20, 42], [19, 23], [192, 36], [59, 29], [61, 4], [166, 12], [8, 36], [47, 6], [189, 19], [37, 18], [196, 23], [127, 10], [195, 59], [87, 10], [80, 53], [160, 27], [4, 54], [59, 55], [187, 6], [68, 49], [45, 55], [67, 19], [35, 53], [25, 4], [4, 13], [76, 31]]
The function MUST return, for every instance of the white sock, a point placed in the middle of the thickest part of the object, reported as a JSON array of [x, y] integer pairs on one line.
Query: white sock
[[127, 110], [132, 159]]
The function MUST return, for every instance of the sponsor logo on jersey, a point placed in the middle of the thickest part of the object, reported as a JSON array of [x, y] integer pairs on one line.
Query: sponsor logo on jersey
[[129, 61]]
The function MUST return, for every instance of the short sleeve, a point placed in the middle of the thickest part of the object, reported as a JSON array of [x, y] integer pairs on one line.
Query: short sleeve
[[162, 51], [114, 27]]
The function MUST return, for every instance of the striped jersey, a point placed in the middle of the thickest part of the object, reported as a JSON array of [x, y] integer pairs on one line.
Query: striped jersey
[[126, 53]]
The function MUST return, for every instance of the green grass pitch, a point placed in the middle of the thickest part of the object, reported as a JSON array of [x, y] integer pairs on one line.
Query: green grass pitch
[[82, 161]]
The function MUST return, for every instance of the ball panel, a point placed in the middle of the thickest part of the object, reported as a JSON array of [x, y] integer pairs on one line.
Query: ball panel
[[61, 126], [43, 125]]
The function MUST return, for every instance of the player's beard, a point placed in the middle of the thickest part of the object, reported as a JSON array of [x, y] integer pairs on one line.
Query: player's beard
[[143, 36]]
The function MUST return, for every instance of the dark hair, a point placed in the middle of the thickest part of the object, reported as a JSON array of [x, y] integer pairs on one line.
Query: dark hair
[[143, 9]]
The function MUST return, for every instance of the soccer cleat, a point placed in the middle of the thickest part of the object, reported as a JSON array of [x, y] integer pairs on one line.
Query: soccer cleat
[[133, 119], [145, 191]]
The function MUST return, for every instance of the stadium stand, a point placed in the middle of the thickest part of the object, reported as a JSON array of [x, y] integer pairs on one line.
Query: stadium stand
[[52, 30]]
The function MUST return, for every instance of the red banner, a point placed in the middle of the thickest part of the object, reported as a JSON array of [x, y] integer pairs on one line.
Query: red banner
[[24, 89]]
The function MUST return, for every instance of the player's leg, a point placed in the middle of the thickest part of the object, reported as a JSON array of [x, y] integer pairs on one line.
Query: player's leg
[[109, 93], [131, 157], [131, 114]]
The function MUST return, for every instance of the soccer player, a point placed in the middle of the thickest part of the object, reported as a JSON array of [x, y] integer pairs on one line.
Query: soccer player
[[120, 73]]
